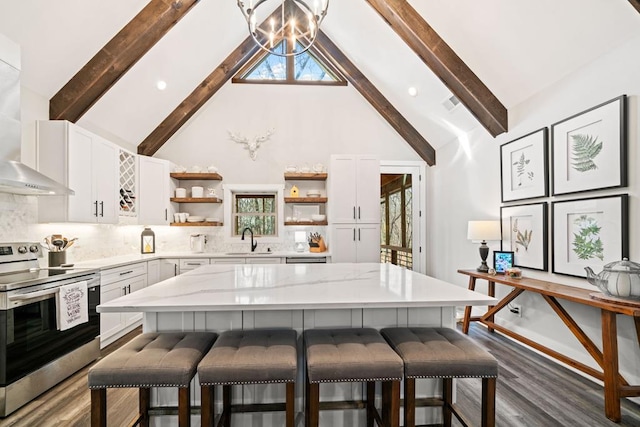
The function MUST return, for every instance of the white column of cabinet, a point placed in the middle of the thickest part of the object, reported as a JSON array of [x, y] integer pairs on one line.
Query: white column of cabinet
[[154, 189], [84, 162], [354, 212]]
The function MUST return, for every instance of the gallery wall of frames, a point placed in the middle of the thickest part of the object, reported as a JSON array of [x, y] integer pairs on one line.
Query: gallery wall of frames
[[547, 216]]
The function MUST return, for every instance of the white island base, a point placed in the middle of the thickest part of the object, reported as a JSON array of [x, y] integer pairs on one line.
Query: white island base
[[224, 297]]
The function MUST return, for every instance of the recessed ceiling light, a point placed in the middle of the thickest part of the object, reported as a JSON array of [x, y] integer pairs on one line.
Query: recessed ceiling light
[[161, 85], [413, 91]]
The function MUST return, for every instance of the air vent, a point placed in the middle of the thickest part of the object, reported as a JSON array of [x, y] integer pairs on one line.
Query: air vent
[[451, 103]]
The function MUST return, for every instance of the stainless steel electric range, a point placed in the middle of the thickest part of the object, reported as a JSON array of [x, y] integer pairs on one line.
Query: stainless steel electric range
[[34, 354]]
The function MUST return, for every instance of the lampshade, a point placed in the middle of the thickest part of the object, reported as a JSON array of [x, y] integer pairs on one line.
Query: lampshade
[[300, 237], [484, 230]]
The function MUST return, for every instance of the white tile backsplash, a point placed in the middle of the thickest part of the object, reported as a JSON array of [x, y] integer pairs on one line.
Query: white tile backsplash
[[19, 222]]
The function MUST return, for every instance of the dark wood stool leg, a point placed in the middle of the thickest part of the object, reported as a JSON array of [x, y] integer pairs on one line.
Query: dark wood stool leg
[[371, 402], [98, 407], [391, 403], [410, 402], [144, 402], [313, 404], [226, 405], [207, 409], [184, 406], [290, 404], [447, 396], [488, 402]]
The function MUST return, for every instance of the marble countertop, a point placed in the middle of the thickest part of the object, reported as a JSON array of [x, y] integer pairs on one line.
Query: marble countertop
[[119, 261], [230, 287]]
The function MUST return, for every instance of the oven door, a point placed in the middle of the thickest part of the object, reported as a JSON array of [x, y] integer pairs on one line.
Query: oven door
[[29, 336]]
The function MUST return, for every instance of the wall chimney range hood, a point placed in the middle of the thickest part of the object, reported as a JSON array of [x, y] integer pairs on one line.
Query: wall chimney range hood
[[16, 177]]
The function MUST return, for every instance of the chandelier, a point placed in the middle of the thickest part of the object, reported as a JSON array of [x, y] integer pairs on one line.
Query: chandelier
[[292, 20]]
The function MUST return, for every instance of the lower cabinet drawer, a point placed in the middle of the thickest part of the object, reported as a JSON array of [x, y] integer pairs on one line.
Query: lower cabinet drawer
[[113, 275]]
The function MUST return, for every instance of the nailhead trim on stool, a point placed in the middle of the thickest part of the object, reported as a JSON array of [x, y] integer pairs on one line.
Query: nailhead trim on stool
[[255, 356], [443, 353], [150, 360], [353, 355]]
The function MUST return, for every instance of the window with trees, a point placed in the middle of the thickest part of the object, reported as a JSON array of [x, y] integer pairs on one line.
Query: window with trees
[[256, 211], [396, 226]]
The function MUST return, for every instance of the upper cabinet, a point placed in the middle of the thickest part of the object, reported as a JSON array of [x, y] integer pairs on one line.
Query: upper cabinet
[[354, 186], [155, 188], [86, 163], [128, 200]]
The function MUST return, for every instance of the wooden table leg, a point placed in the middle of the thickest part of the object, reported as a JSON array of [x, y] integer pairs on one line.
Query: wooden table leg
[[467, 309], [610, 366], [491, 290]]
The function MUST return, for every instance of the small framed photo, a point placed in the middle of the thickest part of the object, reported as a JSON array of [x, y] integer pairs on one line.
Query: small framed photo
[[589, 233], [502, 261], [589, 150], [523, 167], [524, 232]]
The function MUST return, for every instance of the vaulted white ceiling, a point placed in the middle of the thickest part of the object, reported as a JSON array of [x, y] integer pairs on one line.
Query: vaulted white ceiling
[[516, 48]]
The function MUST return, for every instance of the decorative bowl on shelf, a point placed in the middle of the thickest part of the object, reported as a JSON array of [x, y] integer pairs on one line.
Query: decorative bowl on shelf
[[318, 217], [313, 193], [194, 218]]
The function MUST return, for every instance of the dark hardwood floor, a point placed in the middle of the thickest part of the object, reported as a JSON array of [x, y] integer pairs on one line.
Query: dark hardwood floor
[[532, 392]]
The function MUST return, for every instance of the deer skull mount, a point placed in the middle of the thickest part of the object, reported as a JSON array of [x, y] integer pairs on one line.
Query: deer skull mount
[[253, 145]]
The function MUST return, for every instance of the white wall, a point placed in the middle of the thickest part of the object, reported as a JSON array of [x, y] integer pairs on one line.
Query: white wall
[[465, 185], [310, 123]]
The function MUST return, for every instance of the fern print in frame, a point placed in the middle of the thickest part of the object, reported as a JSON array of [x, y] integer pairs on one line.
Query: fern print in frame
[[524, 232], [589, 232], [524, 167], [587, 243], [589, 149], [584, 149]]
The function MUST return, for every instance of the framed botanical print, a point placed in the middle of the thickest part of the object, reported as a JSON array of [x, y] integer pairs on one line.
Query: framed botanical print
[[524, 232], [523, 167], [589, 150], [589, 233]]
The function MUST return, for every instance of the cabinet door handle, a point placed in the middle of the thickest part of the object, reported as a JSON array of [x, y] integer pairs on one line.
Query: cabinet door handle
[[354, 212], [165, 214], [129, 287], [354, 234], [96, 210], [126, 272], [358, 212], [124, 290], [358, 234], [102, 209], [175, 269]]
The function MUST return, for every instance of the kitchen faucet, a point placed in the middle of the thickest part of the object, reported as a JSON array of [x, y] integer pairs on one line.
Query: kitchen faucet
[[253, 244]]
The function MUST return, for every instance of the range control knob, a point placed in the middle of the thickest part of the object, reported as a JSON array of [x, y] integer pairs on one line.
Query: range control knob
[[22, 249], [34, 249]]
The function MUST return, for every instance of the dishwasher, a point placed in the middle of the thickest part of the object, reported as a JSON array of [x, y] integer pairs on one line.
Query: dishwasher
[[305, 260]]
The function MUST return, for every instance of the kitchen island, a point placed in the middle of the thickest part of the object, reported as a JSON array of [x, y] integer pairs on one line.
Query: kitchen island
[[222, 297]]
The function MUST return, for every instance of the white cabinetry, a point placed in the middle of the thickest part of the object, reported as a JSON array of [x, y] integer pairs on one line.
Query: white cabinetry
[[153, 272], [354, 213], [168, 268], [114, 283], [354, 187], [154, 191], [189, 264], [84, 162]]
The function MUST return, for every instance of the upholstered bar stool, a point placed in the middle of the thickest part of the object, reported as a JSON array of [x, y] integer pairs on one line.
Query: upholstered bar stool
[[352, 355], [243, 357], [443, 353], [149, 360]]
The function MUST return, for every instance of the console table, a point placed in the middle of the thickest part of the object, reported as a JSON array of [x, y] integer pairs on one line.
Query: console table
[[615, 386]]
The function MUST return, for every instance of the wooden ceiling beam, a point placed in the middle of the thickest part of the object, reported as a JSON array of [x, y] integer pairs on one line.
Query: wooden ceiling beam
[[635, 4], [329, 50], [116, 57], [444, 62], [198, 97]]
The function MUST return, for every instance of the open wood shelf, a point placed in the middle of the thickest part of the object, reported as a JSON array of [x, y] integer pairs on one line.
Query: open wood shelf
[[306, 222], [196, 224], [307, 176], [196, 200], [305, 200], [196, 176]]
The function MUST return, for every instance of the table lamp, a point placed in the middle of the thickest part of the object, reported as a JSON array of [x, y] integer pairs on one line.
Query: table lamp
[[483, 231]]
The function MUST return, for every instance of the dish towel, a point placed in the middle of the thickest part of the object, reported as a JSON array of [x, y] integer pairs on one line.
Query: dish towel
[[72, 302]]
